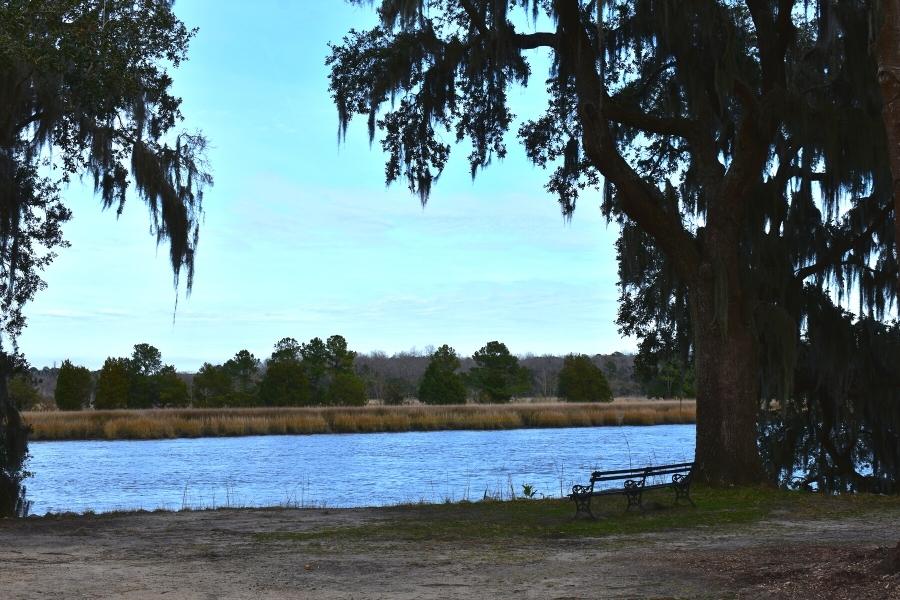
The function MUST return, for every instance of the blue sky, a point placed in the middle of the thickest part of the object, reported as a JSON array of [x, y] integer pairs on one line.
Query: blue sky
[[301, 237]]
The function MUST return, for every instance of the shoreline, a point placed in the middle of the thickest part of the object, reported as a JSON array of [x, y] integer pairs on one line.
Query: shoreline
[[736, 543], [152, 424]]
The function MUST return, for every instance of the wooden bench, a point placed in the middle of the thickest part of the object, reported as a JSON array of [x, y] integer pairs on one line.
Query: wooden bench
[[636, 482]]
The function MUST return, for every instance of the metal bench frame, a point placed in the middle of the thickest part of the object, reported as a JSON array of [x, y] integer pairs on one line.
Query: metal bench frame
[[634, 486]]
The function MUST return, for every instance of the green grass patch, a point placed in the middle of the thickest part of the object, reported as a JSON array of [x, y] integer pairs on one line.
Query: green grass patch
[[553, 519]]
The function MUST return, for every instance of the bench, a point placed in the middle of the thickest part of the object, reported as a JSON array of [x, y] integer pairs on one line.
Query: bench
[[636, 482]]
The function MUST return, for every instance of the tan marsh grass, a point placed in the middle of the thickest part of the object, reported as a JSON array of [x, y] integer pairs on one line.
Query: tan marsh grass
[[174, 423]]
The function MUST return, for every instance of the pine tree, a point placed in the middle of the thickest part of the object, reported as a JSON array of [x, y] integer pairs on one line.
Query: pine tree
[[497, 375], [441, 383]]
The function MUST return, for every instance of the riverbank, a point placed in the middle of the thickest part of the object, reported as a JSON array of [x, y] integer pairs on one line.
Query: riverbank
[[738, 543], [191, 423]]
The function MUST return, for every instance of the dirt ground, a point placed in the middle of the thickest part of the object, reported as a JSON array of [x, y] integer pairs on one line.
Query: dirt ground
[[263, 554]]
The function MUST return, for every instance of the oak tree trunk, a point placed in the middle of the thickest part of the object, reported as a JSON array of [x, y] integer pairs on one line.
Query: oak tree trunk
[[726, 363], [13, 448]]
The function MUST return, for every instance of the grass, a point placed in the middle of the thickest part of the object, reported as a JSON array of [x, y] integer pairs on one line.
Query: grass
[[174, 423], [553, 519]]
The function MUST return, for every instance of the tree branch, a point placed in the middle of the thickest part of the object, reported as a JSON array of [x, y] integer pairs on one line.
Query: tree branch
[[833, 255], [677, 126], [530, 41], [639, 200]]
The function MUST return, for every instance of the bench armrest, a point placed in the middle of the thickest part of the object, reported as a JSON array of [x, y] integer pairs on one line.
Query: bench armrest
[[582, 490]]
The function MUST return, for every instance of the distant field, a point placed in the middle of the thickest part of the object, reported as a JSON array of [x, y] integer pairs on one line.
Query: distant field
[[173, 423]]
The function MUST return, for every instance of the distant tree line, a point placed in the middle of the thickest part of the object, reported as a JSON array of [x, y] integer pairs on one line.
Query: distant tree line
[[327, 373]]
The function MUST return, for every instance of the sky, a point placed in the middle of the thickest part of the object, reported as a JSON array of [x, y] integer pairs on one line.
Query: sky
[[302, 238]]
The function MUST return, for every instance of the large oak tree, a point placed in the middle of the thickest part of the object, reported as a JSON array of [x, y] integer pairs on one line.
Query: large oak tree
[[740, 145]]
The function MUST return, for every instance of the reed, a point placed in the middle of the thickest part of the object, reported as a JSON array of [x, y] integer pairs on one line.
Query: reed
[[191, 422]]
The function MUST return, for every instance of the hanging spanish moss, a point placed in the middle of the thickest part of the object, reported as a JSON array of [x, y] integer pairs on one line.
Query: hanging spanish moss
[[741, 147], [82, 92]]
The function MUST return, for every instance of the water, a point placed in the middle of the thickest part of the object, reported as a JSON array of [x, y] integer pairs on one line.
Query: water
[[337, 470]]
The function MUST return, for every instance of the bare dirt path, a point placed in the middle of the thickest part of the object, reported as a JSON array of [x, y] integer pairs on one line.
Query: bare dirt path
[[351, 553]]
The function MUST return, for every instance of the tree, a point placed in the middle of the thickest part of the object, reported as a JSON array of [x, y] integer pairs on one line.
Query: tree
[[315, 364], [143, 367], [243, 369], [172, 391], [22, 392], [73, 387], [497, 375], [396, 390], [888, 58], [340, 358], [113, 384], [284, 382], [86, 91], [212, 387], [287, 349], [702, 125], [580, 380], [441, 383], [346, 389], [146, 360]]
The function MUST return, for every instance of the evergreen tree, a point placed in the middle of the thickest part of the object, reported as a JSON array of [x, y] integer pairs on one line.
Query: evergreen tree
[[497, 376], [346, 389], [113, 384], [73, 387], [441, 383], [740, 145], [580, 380], [243, 369], [212, 387], [172, 391], [284, 382], [22, 392], [340, 358], [143, 368], [315, 363]]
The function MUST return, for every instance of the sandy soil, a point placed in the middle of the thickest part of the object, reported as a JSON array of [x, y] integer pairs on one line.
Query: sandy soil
[[245, 554]]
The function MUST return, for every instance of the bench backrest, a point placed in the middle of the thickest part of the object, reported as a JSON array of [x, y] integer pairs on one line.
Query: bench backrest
[[642, 472]]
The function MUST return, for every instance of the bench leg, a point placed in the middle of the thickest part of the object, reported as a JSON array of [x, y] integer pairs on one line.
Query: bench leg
[[683, 492], [583, 506], [634, 499]]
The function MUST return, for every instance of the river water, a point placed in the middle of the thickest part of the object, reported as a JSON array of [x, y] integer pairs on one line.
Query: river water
[[337, 470]]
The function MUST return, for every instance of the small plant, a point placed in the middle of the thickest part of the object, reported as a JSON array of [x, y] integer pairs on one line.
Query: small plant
[[528, 490]]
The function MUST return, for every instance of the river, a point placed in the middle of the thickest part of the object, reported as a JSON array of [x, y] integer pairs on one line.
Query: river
[[337, 470]]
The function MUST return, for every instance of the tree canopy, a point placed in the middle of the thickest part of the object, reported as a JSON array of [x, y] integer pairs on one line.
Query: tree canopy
[[739, 145]]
